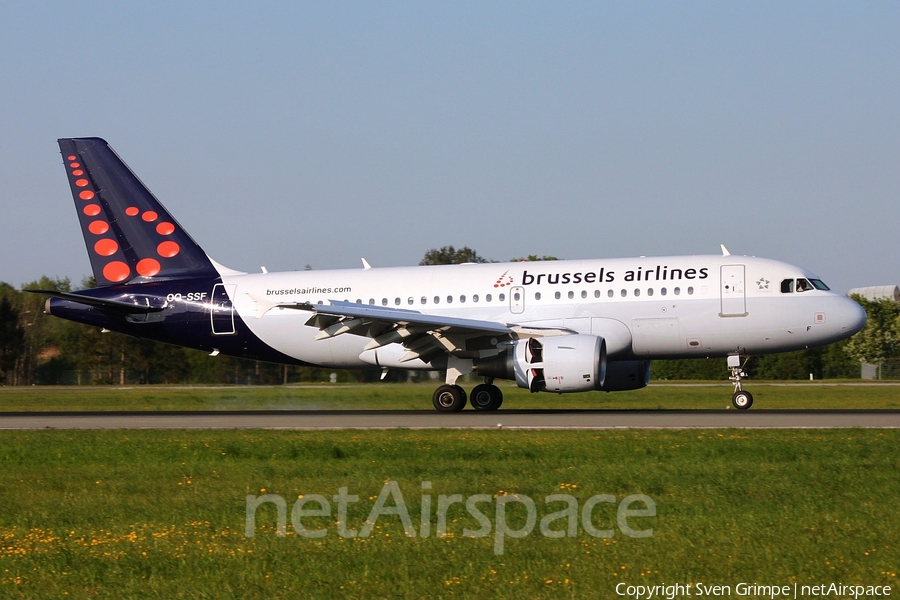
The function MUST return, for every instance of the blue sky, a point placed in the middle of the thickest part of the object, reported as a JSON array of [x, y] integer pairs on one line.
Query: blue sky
[[286, 134]]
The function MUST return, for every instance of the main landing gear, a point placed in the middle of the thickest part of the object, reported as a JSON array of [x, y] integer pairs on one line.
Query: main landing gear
[[741, 400], [452, 398]]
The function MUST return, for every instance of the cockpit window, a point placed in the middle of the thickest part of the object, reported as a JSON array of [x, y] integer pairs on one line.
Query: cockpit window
[[788, 286]]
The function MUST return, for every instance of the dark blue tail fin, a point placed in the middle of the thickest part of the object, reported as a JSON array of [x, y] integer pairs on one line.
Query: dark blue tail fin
[[130, 236]]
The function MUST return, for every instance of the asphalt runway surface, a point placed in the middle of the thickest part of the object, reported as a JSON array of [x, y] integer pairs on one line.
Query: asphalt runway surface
[[429, 419]]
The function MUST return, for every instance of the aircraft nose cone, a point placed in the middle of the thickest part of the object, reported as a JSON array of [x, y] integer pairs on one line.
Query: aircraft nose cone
[[852, 316]]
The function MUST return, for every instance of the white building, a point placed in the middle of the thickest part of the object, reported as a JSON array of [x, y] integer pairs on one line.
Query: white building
[[878, 292]]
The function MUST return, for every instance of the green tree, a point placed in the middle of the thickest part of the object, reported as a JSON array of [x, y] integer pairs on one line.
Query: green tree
[[880, 338], [448, 255], [689, 368], [837, 363], [42, 331], [533, 258], [12, 339]]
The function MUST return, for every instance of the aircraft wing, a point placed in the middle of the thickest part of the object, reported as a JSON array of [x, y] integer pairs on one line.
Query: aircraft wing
[[424, 336]]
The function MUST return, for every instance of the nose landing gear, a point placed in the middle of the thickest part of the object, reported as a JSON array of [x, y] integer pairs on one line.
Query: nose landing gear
[[741, 400]]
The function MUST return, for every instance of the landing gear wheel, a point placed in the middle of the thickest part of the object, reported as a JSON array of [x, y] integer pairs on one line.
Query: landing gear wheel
[[449, 398], [742, 400], [486, 397]]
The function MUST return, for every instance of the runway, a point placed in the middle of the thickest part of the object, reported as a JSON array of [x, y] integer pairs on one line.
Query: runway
[[429, 419]]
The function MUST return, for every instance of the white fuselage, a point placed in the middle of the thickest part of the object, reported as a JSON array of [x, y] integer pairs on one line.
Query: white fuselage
[[647, 307]]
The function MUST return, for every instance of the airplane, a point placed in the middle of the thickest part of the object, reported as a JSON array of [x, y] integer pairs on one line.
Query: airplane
[[553, 326]]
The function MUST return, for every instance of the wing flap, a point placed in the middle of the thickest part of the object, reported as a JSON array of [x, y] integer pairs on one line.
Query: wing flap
[[393, 316]]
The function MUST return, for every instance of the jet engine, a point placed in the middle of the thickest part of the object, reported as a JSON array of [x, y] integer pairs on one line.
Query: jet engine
[[626, 375], [569, 363]]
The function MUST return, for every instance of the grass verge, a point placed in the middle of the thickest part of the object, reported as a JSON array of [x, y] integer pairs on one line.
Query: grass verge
[[418, 397], [118, 514]]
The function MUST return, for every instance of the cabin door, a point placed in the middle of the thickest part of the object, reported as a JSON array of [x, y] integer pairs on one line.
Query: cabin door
[[732, 291], [221, 310]]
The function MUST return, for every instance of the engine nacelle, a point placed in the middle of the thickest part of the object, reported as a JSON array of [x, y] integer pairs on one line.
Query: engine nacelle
[[568, 363], [626, 375]]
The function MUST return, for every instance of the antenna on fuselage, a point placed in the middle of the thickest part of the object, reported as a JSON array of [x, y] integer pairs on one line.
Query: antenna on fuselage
[[725, 251]]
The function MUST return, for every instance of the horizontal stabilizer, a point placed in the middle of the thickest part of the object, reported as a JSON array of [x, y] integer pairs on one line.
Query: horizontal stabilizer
[[117, 305]]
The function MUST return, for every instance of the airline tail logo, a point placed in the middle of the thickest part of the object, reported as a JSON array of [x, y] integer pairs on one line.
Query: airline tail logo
[[128, 234]]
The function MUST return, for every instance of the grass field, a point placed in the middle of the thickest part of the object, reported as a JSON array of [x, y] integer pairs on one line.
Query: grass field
[[418, 397], [150, 514]]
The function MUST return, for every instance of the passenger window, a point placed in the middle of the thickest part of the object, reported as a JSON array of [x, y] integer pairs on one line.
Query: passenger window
[[397, 301], [462, 298], [537, 295], [662, 292], [596, 293], [474, 297], [584, 293], [571, 295], [610, 293], [501, 297], [650, 292], [437, 299], [488, 298], [384, 301], [557, 295], [449, 299], [372, 301], [690, 291], [624, 293], [677, 291], [637, 292], [787, 286], [424, 300]]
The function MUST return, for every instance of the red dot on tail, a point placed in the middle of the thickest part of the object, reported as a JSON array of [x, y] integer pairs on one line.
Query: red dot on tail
[[132, 211], [74, 165], [81, 182], [106, 247], [77, 172], [71, 157], [98, 227], [165, 228], [148, 267], [168, 249], [149, 216], [92, 210], [116, 271], [86, 195]]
